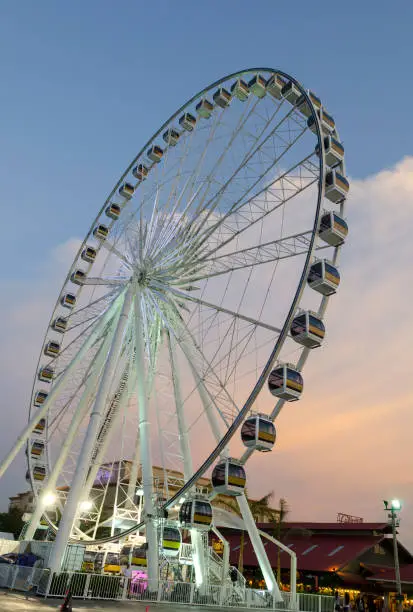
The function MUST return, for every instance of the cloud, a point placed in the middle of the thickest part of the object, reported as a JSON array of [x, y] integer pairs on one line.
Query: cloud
[[346, 444]]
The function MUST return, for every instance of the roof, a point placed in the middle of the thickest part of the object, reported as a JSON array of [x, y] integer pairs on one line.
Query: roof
[[382, 527], [314, 553], [388, 575]]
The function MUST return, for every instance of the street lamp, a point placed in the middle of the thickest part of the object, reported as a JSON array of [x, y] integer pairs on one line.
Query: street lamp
[[393, 508]]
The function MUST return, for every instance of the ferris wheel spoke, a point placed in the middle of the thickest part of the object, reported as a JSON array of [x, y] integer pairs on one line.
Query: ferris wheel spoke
[[112, 249], [213, 202], [108, 282], [249, 212]]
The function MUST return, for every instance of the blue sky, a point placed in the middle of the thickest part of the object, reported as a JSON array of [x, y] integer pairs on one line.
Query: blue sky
[[85, 84]]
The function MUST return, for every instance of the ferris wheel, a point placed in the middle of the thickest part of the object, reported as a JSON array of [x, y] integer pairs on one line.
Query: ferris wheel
[[190, 308]]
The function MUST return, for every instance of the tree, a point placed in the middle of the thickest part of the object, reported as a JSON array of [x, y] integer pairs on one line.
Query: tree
[[258, 507], [11, 522], [279, 529]]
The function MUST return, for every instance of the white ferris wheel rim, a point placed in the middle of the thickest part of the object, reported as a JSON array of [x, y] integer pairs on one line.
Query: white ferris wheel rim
[[294, 305]]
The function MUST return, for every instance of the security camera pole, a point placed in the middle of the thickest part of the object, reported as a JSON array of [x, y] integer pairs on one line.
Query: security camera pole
[[393, 508]]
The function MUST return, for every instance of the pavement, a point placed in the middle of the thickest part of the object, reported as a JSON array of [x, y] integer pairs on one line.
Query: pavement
[[16, 602]]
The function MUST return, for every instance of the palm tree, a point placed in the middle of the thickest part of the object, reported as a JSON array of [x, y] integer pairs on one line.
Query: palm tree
[[258, 508], [279, 529]]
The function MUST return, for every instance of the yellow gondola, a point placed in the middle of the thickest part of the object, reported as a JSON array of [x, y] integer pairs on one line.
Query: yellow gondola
[[196, 514], [291, 92], [36, 450], [40, 397], [324, 277], [240, 90], [46, 374], [187, 122], [39, 473], [39, 428], [258, 86], [52, 349], [275, 85], [113, 211], [140, 172], [89, 254], [68, 300], [171, 137], [222, 97], [336, 187], [126, 190], [171, 540], [78, 277], [258, 432], [155, 154], [228, 477], [333, 229], [204, 108], [286, 382], [307, 329]]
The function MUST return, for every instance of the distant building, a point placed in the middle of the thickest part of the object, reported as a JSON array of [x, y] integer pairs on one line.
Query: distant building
[[22, 502]]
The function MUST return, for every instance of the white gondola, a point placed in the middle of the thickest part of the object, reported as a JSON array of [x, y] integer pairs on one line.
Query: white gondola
[[78, 277], [258, 432], [171, 137], [304, 108], [327, 122], [228, 477], [126, 190], [37, 449], [155, 154], [222, 97], [68, 300], [39, 473], [275, 85], [59, 325], [333, 151], [324, 277], [46, 374], [101, 232], [258, 86], [240, 90], [286, 382], [89, 254], [40, 398], [38, 429], [140, 172], [333, 229], [113, 211], [196, 514], [52, 349], [308, 329], [204, 108], [337, 186], [187, 122], [171, 540], [291, 92]]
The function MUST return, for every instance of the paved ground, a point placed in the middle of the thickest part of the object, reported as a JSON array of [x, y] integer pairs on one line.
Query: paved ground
[[11, 602]]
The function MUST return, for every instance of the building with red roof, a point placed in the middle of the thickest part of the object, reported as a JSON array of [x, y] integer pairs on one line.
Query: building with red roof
[[353, 556]]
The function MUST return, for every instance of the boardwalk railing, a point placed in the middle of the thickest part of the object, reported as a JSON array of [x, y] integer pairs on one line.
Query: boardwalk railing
[[103, 586]]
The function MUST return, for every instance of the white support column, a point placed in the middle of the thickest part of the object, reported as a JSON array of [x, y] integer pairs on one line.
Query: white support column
[[77, 418], [145, 448], [83, 463], [258, 548], [55, 392], [180, 416], [293, 567], [199, 560]]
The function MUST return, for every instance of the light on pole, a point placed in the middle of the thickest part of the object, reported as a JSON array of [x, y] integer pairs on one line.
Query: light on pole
[[393, 508]]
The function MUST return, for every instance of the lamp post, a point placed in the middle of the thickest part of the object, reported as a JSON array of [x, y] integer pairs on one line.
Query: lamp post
[[393, 508]]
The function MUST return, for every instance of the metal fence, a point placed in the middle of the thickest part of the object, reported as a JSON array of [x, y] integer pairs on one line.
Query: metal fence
[[102, 586]]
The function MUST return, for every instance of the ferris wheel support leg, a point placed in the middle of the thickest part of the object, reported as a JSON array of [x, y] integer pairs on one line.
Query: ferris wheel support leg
[[74, 425], [198, 556], [196, 537], [258, 547], [145, 449], [83, 463], [54, 394]]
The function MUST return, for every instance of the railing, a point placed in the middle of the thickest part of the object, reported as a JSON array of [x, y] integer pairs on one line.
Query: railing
[[103, 586]]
